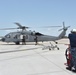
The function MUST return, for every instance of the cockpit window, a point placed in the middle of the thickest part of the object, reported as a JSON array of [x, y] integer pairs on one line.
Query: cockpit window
[[15, 36], [38, 34], [7, 36]]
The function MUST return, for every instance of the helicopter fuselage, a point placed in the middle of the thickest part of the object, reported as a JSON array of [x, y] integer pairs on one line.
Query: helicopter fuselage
[[17, 37]]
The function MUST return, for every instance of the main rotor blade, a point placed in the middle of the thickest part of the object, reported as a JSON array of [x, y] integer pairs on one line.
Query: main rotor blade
[[18, 24], [8, 28], [46, 27], [51, 26]]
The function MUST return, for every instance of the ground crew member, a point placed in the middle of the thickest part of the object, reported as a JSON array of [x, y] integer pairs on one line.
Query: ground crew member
[[36, 40], [72, 39], [23, 40]]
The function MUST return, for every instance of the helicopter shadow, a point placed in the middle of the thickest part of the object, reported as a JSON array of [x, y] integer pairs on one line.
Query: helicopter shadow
[[19, 50], [19, 44], [22, 56]]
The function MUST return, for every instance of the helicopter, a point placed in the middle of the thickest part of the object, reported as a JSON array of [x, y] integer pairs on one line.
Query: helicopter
[[30, 36]]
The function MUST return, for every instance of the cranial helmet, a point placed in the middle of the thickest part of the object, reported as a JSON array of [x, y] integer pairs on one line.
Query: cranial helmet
[[73, 30]]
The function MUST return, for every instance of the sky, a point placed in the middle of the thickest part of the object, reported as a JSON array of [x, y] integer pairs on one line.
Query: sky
[[36, 13]]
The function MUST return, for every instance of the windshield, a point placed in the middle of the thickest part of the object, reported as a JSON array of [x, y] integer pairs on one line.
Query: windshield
[[8, 35]]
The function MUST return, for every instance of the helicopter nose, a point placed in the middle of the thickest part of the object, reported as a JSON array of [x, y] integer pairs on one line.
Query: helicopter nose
[[3, 39], [0, 39]]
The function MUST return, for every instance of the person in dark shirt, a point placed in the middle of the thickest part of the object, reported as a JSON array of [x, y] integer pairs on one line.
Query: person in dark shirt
[[23, 40], [72, 39], [36, 40]]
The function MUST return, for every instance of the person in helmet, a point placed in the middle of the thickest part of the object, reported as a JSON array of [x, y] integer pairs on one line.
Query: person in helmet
[[72, 40]]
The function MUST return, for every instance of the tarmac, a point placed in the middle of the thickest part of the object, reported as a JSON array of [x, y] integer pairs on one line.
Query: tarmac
[[31, 59]]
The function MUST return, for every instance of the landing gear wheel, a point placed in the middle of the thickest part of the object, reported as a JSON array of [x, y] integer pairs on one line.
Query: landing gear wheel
[[17, 43], [49, 48], [57, 48]]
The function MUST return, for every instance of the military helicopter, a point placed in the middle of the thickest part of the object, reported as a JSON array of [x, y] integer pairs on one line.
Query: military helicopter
[[30, 36]]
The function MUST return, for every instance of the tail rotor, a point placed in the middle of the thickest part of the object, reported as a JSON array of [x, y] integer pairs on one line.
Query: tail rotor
[[64, 28]]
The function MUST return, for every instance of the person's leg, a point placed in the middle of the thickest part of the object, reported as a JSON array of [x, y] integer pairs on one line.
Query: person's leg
[[73, 52], [69, 64]]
